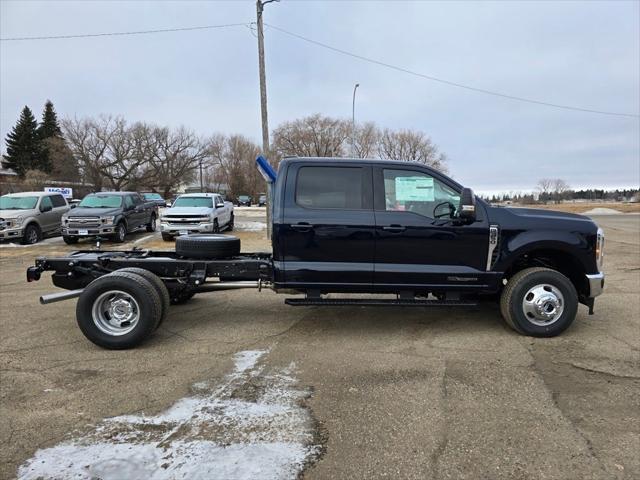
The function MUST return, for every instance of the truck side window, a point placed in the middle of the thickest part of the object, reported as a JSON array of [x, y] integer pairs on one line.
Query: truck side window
[[418, 192], [58, 201], [330, 187], [136, 199], [128, 201], [45, 202]]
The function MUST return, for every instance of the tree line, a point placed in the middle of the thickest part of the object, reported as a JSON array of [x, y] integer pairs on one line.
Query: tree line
[[111, 153]]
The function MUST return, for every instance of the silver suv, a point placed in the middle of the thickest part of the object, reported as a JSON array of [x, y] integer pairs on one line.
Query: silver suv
[[29, 216]]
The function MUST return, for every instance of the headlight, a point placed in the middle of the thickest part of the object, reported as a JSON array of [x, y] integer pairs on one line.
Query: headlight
[[18, 221], [64, 219], [600, 248], [107, 220]]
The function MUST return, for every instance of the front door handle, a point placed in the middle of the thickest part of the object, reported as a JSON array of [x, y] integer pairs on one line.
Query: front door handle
[[302, 227], [394, 228]]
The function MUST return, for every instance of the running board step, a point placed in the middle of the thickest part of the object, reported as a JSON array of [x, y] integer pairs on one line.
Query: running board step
[[344, 302]]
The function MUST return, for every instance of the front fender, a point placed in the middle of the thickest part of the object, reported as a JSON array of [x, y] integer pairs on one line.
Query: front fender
[[573, 244]]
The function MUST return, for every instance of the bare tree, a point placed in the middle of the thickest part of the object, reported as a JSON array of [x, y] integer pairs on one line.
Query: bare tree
[[174, 157], [313, 136], [411, 145], [545, 187], [234, 158], [560, 187], [367, 136]]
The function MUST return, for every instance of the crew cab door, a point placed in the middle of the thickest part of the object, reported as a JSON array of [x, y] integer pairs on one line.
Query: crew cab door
[[223, 213], [328, 225], [419, 240]]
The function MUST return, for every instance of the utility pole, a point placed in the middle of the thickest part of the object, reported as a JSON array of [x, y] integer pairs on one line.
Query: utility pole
[[353, 121], [201, 184], [263, 98]]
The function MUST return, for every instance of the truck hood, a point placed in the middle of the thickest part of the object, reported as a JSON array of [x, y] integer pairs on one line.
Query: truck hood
[[204, 211], [539, 219], [15, 213], [546, 214], [93, 212]]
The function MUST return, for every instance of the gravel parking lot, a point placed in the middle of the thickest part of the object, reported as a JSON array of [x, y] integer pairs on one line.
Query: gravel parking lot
[[349, 392]]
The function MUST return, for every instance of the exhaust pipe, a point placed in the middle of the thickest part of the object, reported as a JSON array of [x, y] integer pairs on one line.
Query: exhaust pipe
[[216, 286], [59, 297]]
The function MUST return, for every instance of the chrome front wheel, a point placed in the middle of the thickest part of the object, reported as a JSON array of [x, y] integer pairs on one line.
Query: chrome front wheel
[[543, 304]]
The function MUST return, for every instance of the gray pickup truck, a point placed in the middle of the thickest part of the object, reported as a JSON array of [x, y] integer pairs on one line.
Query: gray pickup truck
[[29, 216], [109, 214]]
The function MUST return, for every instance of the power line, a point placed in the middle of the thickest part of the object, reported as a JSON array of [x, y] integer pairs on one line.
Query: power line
[[448, 82], [116, 34]]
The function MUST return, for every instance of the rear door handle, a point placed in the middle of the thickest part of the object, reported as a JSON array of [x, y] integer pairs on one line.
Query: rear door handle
[[302, 227], [394, 228]]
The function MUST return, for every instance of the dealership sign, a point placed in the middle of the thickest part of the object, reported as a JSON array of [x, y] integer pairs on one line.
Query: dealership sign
[[64, 191]]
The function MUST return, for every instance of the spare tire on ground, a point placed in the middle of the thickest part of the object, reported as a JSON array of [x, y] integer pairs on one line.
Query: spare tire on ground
[[208, 246]]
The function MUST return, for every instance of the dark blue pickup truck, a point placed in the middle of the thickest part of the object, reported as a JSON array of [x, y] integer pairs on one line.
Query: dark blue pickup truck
[[400, 231]]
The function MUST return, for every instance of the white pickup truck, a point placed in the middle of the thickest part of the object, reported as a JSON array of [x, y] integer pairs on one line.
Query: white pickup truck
[[196, 213]]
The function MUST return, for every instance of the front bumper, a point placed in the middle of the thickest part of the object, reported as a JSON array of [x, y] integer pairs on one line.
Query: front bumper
[[89, 231], [182, 229], [596, 284], [10, 233]]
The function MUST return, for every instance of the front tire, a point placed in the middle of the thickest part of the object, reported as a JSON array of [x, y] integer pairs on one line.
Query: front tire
[[70, 240], [119, 310], [32, 234], [167, 238], [121, 233], [539, 302], [231, 224]]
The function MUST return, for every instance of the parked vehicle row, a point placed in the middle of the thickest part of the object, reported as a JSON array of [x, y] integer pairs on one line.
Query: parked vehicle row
[[30, 216]]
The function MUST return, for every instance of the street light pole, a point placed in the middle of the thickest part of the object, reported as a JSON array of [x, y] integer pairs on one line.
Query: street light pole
[[263, 97], [201, 184], [353, 121]]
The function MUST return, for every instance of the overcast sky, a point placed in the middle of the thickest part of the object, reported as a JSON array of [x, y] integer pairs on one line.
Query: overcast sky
[[578, 53]]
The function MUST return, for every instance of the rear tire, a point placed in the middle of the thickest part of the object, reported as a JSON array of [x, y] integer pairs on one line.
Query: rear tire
[[208, 246], [119, 310], [539, 302], [151, 226], [70, 240], [159, 286]]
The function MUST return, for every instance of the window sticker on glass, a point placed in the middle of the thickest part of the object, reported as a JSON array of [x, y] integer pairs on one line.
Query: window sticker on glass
[[414, 189]]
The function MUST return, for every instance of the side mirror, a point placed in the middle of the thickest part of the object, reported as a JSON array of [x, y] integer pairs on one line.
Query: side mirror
[[467, 204], [219, 205], [73, 205]]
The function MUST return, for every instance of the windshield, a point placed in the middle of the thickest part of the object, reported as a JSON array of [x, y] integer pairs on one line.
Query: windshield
[[152, 196], [244, 198], [194, 202], [18, 203], [101, 201]]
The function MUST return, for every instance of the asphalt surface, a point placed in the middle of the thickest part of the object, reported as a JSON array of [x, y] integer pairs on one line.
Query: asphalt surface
[[393, 393]]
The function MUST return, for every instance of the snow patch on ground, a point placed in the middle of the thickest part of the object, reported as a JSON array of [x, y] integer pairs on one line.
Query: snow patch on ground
[[249, 426], [250, 226], [603, 211]]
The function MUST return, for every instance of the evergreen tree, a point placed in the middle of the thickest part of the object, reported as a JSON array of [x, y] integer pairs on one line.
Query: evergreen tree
[[23, 145], [48, 130], [49, 126]]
